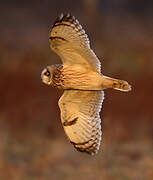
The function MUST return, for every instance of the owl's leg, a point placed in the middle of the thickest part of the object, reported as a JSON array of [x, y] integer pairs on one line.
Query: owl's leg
[[117, 84]]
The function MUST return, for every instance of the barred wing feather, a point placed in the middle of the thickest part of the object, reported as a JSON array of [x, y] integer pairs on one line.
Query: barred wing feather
[[71, 43], [81, 120]]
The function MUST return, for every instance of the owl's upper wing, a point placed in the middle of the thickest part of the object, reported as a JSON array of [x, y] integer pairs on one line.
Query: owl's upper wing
[[71, 43], [81, 120]]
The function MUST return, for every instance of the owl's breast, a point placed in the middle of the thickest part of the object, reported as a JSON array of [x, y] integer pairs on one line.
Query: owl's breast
[[79, 77], [75, 77], [57, 76]]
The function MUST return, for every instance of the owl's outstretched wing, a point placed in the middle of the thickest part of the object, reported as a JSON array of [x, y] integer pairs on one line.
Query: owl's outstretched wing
[[81, 120], [71, 43]]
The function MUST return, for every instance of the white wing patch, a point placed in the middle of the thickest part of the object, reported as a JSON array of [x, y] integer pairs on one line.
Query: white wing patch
[[71, 43], [81, 120]]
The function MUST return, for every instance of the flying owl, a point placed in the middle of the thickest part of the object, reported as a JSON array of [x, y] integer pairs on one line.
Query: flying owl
[[83, 83]]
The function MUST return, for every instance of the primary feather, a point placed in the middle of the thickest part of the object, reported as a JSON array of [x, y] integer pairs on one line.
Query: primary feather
[[71, 43], [81, 120]]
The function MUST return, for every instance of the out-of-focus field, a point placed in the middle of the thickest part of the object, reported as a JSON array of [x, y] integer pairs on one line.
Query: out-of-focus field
[[41, 157], [32, 141]]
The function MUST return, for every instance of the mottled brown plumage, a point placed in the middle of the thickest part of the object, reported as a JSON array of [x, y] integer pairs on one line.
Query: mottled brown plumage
[[81, 78]]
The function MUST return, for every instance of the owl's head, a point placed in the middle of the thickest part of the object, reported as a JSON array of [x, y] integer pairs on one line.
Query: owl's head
[[46, 75]]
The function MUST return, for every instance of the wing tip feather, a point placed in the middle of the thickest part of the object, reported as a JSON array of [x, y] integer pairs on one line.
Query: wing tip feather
[[64, 17]]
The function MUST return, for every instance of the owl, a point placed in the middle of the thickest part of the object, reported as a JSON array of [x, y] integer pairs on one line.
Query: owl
[[80, 77]]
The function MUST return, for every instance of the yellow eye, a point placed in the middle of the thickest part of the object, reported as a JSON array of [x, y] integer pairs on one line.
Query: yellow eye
[[47, 73]]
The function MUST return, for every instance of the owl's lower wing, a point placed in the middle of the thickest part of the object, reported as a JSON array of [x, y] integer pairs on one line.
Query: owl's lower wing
[[81, 120], [71, 43]]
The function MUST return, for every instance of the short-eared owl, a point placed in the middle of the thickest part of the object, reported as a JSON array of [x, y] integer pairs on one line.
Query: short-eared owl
[[83, 83]]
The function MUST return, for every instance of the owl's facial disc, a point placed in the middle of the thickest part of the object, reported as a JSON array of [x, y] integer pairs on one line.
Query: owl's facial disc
[[46, 76]]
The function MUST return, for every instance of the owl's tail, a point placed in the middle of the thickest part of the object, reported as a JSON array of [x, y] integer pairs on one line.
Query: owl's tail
[[116, 84]]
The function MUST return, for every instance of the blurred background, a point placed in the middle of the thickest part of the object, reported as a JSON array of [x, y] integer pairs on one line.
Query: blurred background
[[33, 144]]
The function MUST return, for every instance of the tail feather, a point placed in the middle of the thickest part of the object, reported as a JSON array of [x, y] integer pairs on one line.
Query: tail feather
[[121, 85], [117, 84]]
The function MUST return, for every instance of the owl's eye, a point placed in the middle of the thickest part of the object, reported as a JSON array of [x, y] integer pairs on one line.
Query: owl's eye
[[47, 73]]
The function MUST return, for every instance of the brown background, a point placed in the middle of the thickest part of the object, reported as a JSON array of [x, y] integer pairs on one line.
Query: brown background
[[32, 141]]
